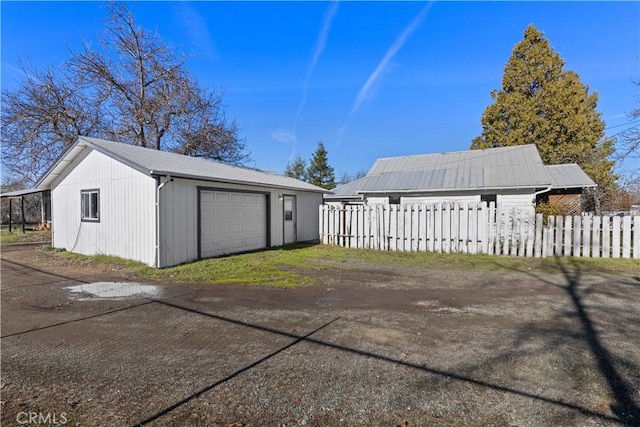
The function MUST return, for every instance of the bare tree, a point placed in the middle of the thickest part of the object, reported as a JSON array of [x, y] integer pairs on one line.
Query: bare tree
[[134, 90], [42, 117]]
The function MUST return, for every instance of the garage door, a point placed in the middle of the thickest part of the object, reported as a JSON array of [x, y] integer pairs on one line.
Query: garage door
[[231, 222]]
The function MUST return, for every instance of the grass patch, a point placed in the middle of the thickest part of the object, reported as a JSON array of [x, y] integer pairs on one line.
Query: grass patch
[[29, 236], [285, 267]]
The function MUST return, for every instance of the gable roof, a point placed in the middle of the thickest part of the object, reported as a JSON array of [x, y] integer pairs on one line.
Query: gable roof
[[160, 163], [514, 167]]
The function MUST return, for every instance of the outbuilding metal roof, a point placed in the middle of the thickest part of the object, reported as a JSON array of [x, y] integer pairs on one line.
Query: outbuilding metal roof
[[515, 167], [19, 193], [155, 163], [569, 176]]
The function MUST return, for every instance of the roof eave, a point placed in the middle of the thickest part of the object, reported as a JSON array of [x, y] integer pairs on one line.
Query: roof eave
[[233, 181], [445, 190], [60, 165]]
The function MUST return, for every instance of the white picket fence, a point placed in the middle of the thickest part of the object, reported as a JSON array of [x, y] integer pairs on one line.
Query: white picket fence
[[478, 228]]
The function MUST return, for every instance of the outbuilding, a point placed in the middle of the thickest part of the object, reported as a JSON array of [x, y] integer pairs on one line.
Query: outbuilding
[[165, 209], [512, 177]]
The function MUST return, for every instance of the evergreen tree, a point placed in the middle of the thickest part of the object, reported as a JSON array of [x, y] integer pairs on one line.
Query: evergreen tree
[[319, 172], [297, 169], [540, 103]]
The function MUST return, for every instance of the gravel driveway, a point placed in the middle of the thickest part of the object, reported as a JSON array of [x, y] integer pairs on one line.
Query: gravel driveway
[[369, 345]]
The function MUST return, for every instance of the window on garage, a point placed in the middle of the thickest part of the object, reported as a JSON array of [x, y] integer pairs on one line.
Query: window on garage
[[90, 205]]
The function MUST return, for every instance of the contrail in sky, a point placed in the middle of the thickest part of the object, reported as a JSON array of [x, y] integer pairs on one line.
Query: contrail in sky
[[391, 52], [320, 45]]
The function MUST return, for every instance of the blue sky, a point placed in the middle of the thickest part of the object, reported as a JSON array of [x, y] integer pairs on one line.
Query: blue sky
[[369, 79]]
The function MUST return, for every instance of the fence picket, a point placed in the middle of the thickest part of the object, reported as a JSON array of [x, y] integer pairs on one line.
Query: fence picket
[[538, 236], [577, 232], [626, 237], [595, 238], [483, 229], [477, 228], [636, 237], [586, 236], [606, 236], [615, 238]]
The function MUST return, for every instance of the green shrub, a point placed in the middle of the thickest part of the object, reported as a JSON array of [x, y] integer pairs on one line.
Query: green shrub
[[550, 209]]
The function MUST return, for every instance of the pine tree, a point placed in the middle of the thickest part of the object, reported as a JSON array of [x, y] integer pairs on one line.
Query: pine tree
[[540, 103], [319, 172], [297, 169]]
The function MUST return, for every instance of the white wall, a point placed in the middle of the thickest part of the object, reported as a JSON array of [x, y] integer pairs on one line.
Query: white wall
[[441, 199], [179, 217], [377, 200], [522, 202], [508, 200], [127, 209]]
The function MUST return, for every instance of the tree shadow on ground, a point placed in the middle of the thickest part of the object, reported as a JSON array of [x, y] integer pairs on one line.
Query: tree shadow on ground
[[625, 406], [297, 338]]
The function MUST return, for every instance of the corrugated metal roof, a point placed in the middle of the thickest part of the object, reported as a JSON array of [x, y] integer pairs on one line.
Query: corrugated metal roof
[[154, 162], [569, 176], [24, 192], [493, 168]]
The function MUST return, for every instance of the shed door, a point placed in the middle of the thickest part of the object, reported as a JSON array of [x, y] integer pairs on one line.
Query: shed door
[[231, 222], [289, 216]]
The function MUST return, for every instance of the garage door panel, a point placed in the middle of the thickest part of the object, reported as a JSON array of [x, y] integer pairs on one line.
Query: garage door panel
[[232, 222]]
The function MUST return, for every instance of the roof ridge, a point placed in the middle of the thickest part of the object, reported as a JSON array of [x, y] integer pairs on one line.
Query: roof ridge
[[509, 147]]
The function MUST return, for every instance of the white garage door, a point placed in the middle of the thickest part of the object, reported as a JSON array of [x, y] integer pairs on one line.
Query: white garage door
[[232, 222]]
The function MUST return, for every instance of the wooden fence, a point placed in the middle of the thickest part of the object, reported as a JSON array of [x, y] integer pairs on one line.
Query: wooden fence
[[478, 228]]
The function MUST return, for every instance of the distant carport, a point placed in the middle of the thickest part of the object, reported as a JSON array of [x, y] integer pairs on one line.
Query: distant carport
[[45, 209]]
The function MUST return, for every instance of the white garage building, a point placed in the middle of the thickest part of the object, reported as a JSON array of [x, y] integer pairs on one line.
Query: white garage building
[[165, 209]]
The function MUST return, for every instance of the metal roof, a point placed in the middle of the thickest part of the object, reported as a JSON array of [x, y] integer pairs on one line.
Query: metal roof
[[154, 162], [24, 192], [569, 176], [492, 168]]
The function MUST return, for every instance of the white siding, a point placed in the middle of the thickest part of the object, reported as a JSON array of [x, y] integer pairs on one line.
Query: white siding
[[522, 202], [179, 217], [440, 199], [127, 209], [377, 200]]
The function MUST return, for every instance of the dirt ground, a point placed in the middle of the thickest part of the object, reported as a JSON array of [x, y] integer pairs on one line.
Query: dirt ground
[[372, 345]]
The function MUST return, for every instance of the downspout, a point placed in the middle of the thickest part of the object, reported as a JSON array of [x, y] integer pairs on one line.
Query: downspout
[[535, 195], [159, 186]]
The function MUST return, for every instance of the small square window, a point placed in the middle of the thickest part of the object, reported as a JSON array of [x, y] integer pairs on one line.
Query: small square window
[[90, 205]]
